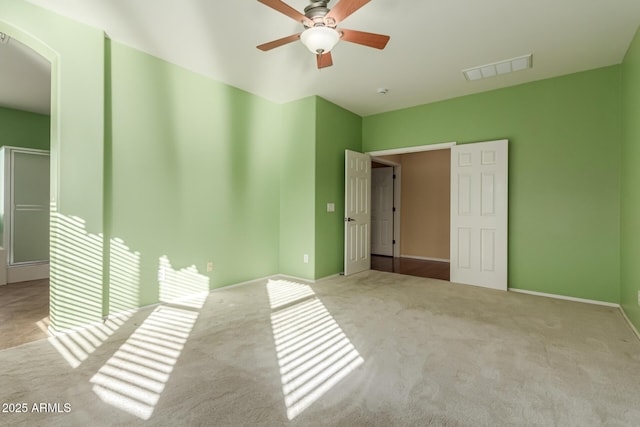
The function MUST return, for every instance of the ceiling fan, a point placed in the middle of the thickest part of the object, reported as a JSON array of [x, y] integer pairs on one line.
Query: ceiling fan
[[320, 33]]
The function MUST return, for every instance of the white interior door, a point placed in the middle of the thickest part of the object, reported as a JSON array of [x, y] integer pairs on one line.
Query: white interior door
[[479, 214], [382, 211], [357, 220]]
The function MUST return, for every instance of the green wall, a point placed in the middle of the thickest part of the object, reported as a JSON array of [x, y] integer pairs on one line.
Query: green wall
[[297, 186], [194, 175], [564, 164], [24, 129], [315, 134], [630, 194], [336, 130]]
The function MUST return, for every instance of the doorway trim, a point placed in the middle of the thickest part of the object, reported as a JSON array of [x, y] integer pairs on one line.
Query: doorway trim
[[397, 170], [408, 150]]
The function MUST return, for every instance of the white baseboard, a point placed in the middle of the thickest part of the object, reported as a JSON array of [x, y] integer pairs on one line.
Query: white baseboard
[[564, 297], [27, 272], [248, 282], [423, 258], [57, 333], [631, 325], [331, 276], [288, 277], [128, 313]]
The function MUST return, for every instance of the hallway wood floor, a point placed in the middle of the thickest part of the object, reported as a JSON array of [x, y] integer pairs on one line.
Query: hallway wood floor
[[411, 267], [24, 312]]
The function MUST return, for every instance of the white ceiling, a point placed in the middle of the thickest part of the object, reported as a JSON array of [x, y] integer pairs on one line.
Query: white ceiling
[[431, 42], [25, 78]]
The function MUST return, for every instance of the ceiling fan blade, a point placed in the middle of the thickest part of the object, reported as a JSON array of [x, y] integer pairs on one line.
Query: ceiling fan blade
[[324, 60], [379, 41], [279, 42], [344, 8], [287, 10]]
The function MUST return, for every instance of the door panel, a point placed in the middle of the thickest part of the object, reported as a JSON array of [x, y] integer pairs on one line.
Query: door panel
[[479, 214], [382, 211], [357, 212]]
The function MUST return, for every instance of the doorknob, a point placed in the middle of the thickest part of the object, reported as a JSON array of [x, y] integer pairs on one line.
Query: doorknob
[[349, 219]]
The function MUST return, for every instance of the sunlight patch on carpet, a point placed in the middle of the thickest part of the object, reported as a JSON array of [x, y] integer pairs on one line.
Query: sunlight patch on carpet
[[134, 378], [314, 353]]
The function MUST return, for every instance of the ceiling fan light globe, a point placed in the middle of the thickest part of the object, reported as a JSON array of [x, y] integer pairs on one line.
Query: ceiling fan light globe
[[319, 39]]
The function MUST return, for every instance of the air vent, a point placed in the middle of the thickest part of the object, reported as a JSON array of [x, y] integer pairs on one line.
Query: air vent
[[497, 68]]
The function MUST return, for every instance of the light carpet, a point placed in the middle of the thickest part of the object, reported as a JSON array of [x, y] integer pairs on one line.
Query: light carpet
[[373, 349]]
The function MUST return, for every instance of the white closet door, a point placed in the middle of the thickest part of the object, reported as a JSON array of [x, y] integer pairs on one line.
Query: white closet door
[[479, 214], [382, 211]]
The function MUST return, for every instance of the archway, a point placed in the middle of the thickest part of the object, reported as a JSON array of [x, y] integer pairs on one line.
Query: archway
[[77, 57]]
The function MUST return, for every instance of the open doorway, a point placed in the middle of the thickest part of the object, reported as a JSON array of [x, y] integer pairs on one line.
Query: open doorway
[[478, 211], [420, 210], [382, 209], [25, 100]]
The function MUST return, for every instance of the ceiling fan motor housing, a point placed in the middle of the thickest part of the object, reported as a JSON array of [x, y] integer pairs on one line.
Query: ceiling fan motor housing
[[316, 12]]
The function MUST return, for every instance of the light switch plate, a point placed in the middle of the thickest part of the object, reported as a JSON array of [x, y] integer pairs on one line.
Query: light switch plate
[[331, 207]]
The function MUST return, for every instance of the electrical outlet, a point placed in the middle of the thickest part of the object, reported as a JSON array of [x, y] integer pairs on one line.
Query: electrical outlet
[[210, 266], [306, 258]]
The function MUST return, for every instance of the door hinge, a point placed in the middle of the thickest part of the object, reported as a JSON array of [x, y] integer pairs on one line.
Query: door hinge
[[393, 242], [394, 176], [394, 209]]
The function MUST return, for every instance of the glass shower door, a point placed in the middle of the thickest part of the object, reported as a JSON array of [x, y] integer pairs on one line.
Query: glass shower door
[[29, 208]]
